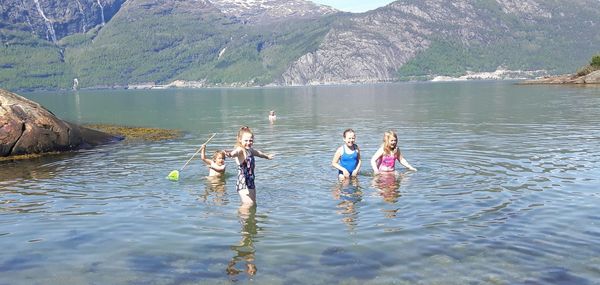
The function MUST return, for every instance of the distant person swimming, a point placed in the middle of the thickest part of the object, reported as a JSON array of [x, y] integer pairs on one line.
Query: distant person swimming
[[272, 116]]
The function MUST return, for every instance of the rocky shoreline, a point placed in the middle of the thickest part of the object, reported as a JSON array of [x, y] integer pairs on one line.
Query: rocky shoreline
[[591, 78]]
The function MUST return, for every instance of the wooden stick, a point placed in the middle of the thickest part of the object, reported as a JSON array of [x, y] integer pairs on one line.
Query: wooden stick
[[186, 163]]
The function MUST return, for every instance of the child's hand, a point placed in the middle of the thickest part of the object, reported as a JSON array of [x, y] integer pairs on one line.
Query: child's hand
[[413, 169], [270, 156], [355, 172], [346, 173]]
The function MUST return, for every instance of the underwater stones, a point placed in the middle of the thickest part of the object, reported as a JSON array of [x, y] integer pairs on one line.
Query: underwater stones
[[345, 264], [28, 128]]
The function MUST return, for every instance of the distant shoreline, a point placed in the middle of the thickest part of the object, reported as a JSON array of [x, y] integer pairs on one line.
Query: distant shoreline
[[592, 78]]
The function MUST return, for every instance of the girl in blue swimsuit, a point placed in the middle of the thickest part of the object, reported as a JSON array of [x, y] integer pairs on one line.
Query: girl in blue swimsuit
[[347, 157], [244, 157]]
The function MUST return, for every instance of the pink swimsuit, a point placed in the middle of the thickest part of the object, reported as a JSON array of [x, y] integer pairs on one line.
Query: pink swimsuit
[[388, 163]]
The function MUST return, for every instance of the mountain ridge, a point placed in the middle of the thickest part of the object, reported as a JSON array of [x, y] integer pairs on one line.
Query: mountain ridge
[[285, 42]]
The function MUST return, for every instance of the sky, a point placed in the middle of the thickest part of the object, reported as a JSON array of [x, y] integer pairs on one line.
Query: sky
[[355, 6]]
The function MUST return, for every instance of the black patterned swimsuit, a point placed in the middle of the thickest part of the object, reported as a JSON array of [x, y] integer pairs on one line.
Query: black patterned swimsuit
[[246, 173]]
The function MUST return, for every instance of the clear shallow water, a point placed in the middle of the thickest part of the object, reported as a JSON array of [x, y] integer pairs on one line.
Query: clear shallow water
[[506, 192]]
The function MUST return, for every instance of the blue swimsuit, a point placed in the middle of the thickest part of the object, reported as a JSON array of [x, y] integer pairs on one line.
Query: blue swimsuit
[[246, 173], [349, 160]]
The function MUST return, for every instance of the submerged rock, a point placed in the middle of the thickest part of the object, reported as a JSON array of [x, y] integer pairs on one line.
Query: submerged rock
[[28, 128]]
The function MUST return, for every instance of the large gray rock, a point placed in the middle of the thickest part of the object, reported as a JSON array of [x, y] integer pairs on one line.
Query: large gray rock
[[28, 128]]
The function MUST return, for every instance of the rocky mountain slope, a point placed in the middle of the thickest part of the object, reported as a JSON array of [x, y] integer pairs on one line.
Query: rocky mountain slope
[[53, 20], [111, 43], [415, 38], [266, 11]]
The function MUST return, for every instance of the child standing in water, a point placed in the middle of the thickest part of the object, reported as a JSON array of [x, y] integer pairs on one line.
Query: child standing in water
[[216, 165], [244, 157], [384, 159], [347, 157]]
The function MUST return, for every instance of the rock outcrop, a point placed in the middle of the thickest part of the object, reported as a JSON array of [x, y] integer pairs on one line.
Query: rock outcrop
[[591, 78], [28, 128]]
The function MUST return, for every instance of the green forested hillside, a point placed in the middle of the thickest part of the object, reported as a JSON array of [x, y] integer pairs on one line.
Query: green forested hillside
[[161, 46], [27, 62], [559, 44]]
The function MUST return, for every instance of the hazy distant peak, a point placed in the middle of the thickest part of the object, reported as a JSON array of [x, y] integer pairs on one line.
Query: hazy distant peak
[[257, 10]]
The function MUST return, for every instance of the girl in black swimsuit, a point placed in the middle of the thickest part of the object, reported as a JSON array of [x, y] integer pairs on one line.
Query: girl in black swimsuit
[[244, 157]]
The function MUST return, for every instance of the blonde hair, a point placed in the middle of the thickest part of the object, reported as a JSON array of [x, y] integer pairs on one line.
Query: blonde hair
[[243, 130], [218, 153], [386, 142]]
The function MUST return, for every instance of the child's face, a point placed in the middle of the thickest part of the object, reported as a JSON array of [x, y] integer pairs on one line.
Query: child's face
[[220, 160], [392, 141], [350, 138], [247, 140]]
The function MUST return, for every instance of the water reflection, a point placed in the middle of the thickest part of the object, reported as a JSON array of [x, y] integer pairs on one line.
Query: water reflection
[[387, 185], [243, 261], [215, 187], [349, 193]]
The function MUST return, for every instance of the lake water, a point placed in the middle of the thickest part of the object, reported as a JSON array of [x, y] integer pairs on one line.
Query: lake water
[[506, 192]]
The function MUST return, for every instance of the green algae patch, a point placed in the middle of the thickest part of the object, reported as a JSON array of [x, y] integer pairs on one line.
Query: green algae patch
[[136, 133], [28, 156]]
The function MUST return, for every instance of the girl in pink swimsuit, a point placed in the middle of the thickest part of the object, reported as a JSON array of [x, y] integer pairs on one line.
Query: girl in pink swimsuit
[[384, 160]]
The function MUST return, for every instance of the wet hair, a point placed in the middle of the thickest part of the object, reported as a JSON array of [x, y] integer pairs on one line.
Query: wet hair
[[386, 138], [347, 131]]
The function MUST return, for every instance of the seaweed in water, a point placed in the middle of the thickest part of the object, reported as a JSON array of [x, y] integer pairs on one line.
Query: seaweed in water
[[349, 265], [19, 263], [558, 276]]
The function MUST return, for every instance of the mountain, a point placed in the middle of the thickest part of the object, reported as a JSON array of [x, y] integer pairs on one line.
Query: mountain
[[435, 37], [111, 43], [265, 11]]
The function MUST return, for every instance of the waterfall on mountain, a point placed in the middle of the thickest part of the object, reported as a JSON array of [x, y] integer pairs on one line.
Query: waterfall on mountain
[[101, 12], [47, 21]]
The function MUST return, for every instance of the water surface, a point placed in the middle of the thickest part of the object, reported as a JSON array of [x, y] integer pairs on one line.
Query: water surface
[[506, 192]]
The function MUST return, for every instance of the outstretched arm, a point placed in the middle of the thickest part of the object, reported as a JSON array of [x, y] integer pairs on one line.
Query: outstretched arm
[[404, 162], [261, 154]]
